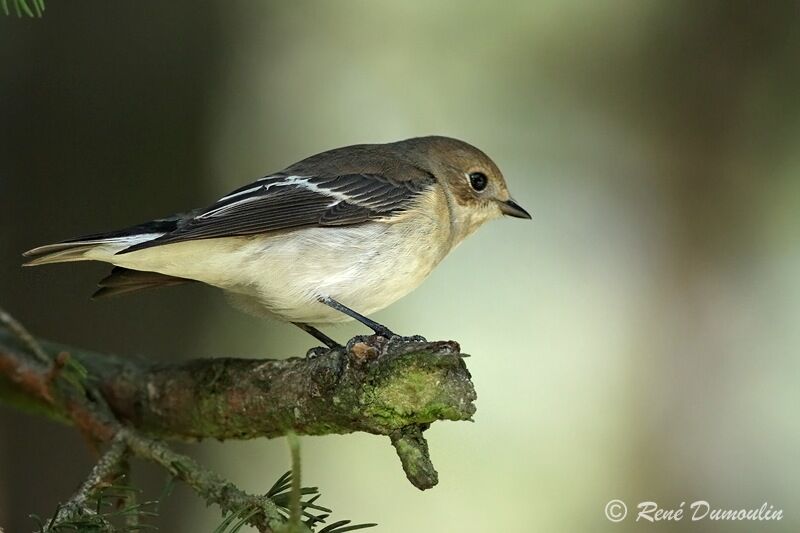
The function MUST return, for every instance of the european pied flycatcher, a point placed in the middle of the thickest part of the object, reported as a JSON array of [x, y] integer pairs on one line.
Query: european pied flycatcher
[[357, 226]]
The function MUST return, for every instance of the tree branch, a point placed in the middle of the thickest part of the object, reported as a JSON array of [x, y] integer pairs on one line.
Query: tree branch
[[395, 388], [208, 485]]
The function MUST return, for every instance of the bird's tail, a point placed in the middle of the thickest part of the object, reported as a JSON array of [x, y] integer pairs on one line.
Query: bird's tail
[[100, 246], [84, 250]]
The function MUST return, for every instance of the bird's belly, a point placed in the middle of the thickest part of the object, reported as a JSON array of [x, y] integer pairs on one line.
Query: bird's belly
[[364, 267]]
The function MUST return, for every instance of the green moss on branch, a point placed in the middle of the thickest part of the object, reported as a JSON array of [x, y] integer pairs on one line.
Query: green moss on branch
[[395, 388]]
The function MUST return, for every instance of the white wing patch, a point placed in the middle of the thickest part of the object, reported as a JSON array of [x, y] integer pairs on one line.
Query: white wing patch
[[240, 193], [260, 190], [225, 208]]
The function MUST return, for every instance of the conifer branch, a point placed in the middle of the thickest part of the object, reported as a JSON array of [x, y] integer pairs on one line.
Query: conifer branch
[[395, 388]]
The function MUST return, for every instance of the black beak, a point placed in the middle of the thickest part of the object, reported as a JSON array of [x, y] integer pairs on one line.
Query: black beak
[[513, 209]]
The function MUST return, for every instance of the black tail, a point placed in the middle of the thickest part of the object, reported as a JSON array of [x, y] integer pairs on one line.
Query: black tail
[[74, 249]]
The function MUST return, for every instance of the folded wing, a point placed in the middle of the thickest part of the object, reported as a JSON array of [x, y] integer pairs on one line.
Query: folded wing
[[284, 202]]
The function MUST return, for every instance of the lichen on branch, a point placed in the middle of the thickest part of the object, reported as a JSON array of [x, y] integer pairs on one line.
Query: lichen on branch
[[395, 387]]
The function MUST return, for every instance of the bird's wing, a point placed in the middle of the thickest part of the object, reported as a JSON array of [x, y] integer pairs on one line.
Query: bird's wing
[[283, 202]]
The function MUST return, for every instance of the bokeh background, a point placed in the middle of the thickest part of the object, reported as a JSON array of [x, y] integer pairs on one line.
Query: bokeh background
[[638, 339]]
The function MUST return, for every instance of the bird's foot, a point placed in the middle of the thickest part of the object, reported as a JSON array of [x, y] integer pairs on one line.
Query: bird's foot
[[401, 340], [365, 347]]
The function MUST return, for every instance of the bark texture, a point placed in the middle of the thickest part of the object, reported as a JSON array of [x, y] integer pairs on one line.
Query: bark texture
[[395, 388]]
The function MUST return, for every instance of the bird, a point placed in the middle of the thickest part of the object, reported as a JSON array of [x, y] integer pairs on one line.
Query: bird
[[334, 237]]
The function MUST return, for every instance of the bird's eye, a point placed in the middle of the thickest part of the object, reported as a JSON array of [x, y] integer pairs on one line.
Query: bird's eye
[[478, 181]]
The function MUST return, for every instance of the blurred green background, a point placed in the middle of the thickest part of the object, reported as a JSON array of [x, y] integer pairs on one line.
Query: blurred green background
[[637, 340]]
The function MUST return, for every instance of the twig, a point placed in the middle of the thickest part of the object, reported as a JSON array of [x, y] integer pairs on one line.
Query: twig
[[208, 485], [205, 483], [129, 497], [412, 449], [27, 339], [103, 472]]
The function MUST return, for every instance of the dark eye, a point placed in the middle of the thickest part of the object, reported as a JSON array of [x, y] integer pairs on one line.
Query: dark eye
[[478, 181]]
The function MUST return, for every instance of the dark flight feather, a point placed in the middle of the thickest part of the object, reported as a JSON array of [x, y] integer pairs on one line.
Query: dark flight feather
[[125, 281]]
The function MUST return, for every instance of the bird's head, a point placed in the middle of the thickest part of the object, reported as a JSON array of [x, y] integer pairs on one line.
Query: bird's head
[[475, 187]]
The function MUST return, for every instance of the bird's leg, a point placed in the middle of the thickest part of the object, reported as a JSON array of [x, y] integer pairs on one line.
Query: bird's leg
[[317, 334], [380, 329]]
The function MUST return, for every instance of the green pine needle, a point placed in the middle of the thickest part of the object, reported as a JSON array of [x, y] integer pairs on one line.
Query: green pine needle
[[342, 525], [30, 8], [280, 493], [97, 517], [243, 515]]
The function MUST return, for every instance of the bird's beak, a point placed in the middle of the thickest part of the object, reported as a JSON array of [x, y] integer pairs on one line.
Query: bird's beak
[[513, 209]]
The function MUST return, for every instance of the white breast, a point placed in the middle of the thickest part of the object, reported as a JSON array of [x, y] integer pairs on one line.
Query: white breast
[[364, 267]]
